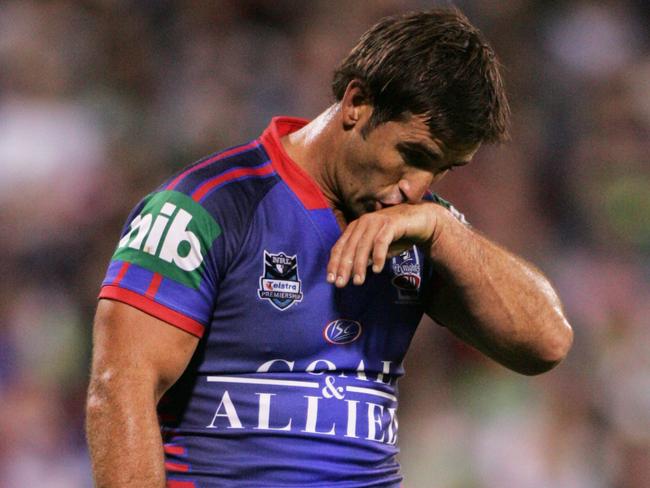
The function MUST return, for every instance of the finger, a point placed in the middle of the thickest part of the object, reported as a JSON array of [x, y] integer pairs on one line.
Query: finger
[[381, 244], [364, 249], [335, 252], [398, 247], [346, 260]]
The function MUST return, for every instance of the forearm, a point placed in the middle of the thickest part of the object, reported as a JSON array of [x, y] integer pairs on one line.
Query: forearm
[[496, 301], [123, 434], [488, 297]]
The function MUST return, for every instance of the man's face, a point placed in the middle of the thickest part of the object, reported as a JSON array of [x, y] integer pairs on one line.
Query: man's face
[[395, 162]]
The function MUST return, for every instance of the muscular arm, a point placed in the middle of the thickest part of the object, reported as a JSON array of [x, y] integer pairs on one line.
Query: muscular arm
[[136, 358], [496, 301], [489, 298]]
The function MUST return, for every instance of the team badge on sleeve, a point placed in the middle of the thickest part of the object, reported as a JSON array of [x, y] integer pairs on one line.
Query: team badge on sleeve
[[280, 284]]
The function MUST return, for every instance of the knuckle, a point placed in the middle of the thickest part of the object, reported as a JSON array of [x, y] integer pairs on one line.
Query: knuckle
[[336, 248], [381, 239], [360, 259]]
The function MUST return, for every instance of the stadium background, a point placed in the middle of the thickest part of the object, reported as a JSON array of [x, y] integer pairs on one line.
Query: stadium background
[[100, 100]]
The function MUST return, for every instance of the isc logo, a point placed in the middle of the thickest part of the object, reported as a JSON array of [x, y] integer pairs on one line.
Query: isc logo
[[180, 246], [342, 331]]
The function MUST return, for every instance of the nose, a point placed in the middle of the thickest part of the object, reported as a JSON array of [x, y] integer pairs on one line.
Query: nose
[[414, 186]]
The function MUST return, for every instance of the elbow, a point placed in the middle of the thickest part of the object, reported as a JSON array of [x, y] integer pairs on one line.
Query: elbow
[[551, 350], [559, 343], [103, 390], [96, 400]]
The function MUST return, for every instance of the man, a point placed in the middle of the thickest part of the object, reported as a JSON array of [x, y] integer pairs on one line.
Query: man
[[277, 285]]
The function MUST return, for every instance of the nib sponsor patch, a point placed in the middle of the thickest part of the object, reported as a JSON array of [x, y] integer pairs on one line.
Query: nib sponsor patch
[[171, 236]]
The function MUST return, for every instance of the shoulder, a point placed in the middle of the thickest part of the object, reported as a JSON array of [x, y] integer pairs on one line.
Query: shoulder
[[228, 185], [245, 168], [215, 197]]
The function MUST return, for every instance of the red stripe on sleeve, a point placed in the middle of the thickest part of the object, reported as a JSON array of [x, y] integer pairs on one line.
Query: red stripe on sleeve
[[156, 279], [121, 273], [153, 308], [201, 191]]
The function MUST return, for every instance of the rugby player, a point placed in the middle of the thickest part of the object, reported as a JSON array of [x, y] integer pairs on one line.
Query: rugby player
[[254, 318]]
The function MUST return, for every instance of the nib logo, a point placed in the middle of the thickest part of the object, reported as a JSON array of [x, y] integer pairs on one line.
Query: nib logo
[[177, 234], [170, 236]]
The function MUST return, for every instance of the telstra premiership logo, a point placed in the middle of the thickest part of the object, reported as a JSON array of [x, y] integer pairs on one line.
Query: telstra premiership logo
[[170, 235]]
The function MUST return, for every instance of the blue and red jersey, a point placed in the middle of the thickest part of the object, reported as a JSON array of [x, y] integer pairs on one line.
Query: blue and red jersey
[[294, 382]]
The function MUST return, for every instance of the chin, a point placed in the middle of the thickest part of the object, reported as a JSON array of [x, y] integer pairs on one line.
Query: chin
[[356, 209], [353, 212], [369, 206]]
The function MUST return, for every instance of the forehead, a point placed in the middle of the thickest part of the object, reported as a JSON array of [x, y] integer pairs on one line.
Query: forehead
[[413, 130], [410, 128]]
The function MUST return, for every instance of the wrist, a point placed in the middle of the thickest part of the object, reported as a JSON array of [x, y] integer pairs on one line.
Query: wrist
[[447, 235]]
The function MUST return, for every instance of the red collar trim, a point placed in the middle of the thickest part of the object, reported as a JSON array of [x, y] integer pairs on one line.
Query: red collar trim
[[305, 188]]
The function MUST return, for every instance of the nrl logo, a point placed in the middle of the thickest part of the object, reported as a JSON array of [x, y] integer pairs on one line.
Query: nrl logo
[[406, 273], [280, 284]]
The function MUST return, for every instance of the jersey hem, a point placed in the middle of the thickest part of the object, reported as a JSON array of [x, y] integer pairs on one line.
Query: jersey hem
[[153, 308]]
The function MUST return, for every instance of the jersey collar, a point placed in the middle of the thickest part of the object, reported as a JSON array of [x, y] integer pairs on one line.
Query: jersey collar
[[305, 188]]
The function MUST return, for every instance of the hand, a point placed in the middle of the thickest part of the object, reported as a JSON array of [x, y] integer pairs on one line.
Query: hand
[[377, 236]]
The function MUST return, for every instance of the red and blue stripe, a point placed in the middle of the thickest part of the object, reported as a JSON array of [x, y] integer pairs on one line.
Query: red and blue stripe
[[158, 296], [237, 173], [228, 153]]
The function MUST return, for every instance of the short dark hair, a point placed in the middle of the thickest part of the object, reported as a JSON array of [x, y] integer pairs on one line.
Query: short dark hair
[[433, 63]]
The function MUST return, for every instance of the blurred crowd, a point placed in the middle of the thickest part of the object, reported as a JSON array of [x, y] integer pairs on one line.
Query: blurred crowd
[[102, 99]]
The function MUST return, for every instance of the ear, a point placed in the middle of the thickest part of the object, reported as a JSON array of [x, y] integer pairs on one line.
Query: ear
[[356, 108]]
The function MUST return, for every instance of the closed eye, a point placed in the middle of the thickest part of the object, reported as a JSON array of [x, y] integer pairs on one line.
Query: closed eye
[[419, 157]]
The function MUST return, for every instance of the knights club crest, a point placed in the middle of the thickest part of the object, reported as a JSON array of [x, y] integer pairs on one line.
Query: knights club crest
[[406, 275], [280, 284]]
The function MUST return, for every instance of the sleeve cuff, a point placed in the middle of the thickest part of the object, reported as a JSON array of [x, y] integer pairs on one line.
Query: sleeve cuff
[[153, 308]]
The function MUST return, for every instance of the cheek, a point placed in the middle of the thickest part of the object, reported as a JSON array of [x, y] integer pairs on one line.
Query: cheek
[[371, 166], [384, 167]]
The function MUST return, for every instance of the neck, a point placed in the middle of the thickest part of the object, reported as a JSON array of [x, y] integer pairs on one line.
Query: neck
[[313, 148]]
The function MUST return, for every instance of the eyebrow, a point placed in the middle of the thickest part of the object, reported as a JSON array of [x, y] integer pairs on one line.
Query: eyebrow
[[423, 149], [431, 153]]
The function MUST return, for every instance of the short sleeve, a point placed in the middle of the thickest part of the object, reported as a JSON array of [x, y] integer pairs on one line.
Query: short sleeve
[[164, 265]]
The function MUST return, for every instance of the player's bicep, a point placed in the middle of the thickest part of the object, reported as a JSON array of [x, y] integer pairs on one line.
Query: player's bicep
[[132, 347]]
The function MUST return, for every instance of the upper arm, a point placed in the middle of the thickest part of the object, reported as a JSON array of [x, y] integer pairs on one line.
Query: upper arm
[[157, 296], [133, 348], [498, 303]]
